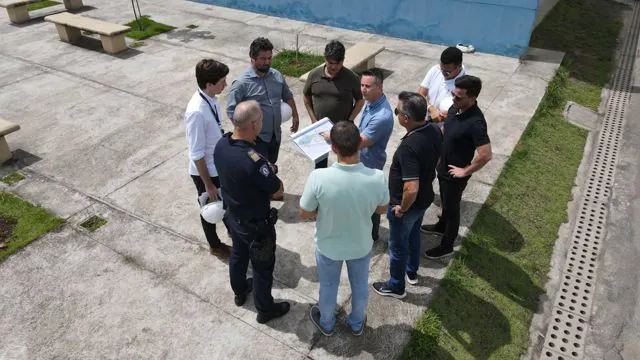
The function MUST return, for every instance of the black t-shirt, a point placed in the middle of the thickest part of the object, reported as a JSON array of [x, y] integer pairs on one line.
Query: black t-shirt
[[415, 159], [246, 179], [463, 133]]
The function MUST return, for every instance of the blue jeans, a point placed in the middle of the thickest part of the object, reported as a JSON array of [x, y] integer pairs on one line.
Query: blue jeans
[[404, 245], [329, 276]]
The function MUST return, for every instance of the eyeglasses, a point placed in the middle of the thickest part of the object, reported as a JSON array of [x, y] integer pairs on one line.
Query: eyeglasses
[[397, 112], [447, 72]]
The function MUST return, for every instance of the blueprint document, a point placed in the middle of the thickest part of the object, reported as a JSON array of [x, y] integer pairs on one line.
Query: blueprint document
[[311, 143]]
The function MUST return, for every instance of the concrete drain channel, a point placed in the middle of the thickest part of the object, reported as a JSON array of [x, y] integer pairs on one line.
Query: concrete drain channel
[[569, 321]]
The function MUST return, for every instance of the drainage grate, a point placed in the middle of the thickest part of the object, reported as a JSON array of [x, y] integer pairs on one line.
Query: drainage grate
[[572, 307]]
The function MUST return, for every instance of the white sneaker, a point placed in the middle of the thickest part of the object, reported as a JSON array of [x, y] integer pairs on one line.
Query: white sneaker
[[412, 280], [465, 48]]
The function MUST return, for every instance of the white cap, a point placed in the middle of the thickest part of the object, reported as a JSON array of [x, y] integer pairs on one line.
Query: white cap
[[285, 111], [212, 212]]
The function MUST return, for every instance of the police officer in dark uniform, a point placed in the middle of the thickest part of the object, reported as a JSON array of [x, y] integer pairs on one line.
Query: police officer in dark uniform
[[247, 182]]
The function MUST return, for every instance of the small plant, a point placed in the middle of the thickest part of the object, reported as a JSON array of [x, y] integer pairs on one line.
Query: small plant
[[295, 62], [93, 223], [12, 178], [143, 28], [191, 26], [137, 44]]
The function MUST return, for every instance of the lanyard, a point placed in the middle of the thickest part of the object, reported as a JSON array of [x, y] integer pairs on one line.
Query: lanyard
[[215, 113]]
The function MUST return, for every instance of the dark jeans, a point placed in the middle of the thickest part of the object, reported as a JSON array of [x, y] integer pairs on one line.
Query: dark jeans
[[209, 229], [404, 245], [451, 196], [270, 150], [255, 241], [375, 231]]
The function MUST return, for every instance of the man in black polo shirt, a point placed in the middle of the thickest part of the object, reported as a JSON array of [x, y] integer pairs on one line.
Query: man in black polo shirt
[[411, 175], [465, 132], [332, 91]]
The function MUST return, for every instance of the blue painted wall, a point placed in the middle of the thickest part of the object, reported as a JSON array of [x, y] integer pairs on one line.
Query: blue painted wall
[[494, 26]]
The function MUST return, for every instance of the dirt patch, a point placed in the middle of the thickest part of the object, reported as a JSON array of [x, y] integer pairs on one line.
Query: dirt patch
[[7, 224]]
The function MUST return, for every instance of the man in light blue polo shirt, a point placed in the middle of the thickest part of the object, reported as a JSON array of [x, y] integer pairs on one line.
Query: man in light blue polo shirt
[[342, 198], [376, 125]]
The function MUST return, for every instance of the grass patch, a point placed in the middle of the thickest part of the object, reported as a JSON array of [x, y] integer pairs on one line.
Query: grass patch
[[28, 223], [145, 28], [93, 223], [41, 5], [485, 303], [587, 31], [13, 178], [288, 63], [192, 26], [137, 44]]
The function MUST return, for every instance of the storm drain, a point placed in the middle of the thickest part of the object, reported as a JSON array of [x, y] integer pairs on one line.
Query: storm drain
[[569, 321]]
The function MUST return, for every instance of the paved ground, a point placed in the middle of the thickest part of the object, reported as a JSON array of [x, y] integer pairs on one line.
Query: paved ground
[[104, 135], [615, 321]]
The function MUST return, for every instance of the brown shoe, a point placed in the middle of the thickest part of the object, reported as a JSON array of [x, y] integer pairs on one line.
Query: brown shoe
[[277, 198], [221, 251]]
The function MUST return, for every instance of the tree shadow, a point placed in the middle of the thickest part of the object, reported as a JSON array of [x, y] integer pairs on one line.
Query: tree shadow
[[189, 35], [477, 334], [289, 269], [289, 212]]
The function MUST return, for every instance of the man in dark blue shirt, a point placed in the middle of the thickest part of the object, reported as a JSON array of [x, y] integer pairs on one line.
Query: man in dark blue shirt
[[248, 181]]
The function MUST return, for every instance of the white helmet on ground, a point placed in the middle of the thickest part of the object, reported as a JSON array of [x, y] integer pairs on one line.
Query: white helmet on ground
[[212, 212]]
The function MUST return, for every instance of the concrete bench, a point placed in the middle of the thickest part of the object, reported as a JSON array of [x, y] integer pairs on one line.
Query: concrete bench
[[359, 57], [6, 128], [18, 13], [69, 26]]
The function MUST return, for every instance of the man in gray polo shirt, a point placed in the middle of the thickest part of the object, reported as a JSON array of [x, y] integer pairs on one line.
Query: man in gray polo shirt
[[267, 86], [332, 91]]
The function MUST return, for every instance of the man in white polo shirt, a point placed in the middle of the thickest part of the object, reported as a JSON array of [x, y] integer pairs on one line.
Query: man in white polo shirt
[[440, 82], [343, 197], [202, 121]]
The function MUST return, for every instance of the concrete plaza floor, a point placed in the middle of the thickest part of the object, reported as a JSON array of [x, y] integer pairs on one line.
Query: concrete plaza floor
[[104, 135]]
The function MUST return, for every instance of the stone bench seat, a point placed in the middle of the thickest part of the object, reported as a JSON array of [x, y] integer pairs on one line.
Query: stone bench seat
[[6, 128], [18, 13], [69, 27], [359, 57]]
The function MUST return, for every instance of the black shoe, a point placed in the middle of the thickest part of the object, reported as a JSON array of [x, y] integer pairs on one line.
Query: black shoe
[[239, 300], [385, 290], [437, 253], [314, 315], [359, 331], [437, 228], [412, 278], [222, 251], [279, 309]]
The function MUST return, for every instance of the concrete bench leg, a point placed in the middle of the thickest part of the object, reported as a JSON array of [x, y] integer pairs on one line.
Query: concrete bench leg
[[5, 153], [18, 14], [68, 34], [113, 44], [73, 4]]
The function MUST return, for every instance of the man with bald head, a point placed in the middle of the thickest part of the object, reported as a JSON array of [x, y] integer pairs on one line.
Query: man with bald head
[[248, 181]]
